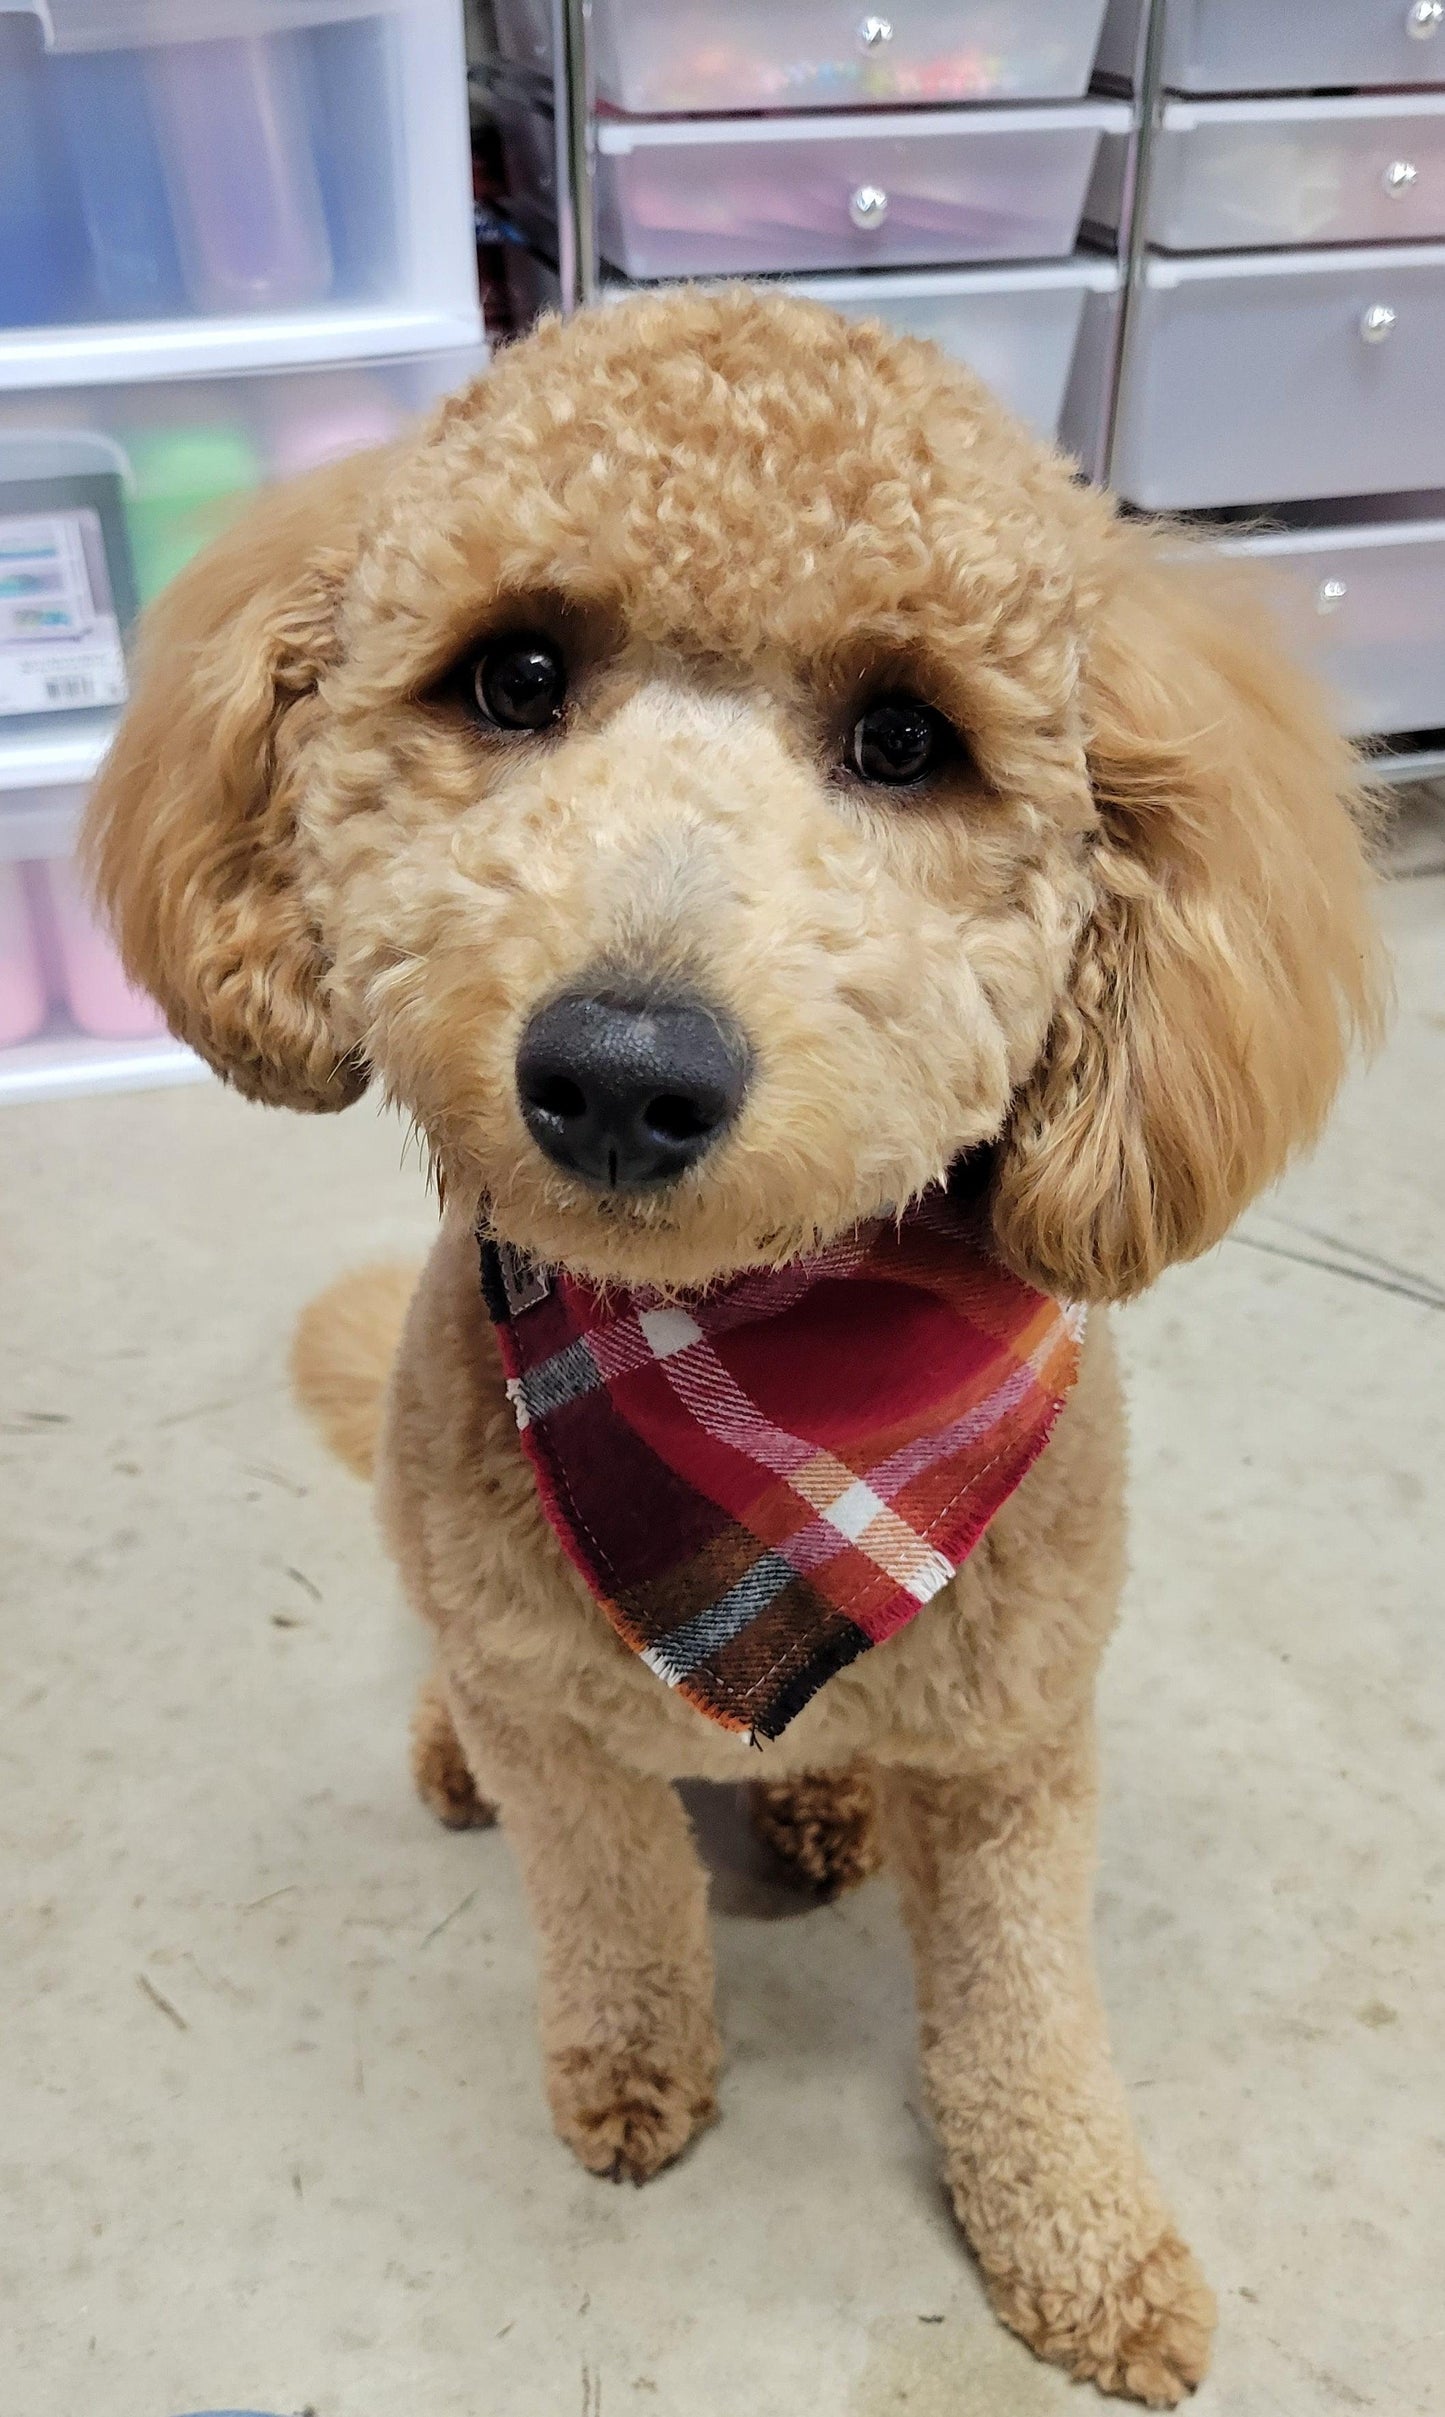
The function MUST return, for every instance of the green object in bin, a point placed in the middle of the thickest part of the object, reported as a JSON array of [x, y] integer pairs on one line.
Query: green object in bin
[[186, 483]]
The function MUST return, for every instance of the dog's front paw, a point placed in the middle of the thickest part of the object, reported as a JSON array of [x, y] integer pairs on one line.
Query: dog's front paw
[[439, 1767], [822, 1826], [627, 2113], [1144, 2334]]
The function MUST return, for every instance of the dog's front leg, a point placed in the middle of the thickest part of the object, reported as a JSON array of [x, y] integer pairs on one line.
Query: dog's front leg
[[1049, 2183], [619, 1899]]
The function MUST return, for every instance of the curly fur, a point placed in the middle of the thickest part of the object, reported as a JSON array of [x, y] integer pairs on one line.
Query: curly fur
[[822, 1827], [1123, 945]]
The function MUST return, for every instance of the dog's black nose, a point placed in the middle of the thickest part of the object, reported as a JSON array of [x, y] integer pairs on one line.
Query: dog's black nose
[[629, 1093]]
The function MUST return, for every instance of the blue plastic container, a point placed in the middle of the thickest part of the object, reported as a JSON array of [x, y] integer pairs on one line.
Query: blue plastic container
[[115, 165], [43, 255]]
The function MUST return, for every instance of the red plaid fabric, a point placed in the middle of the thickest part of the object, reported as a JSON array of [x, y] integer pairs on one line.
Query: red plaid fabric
[[761, 1481]]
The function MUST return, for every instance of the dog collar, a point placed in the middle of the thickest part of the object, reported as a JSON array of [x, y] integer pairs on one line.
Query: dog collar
[[760, 1481]]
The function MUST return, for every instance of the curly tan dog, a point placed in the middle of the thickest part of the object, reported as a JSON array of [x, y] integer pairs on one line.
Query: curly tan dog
[[714, 650]]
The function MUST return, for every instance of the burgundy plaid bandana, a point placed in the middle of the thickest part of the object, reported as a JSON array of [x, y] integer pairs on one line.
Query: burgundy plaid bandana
[[760, 1481]]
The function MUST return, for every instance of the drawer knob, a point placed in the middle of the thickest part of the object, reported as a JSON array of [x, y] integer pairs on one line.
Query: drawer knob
[[1330, 595], [1377, 323], [868, 206], [1399, 177], [874, 32], [1424, 19]]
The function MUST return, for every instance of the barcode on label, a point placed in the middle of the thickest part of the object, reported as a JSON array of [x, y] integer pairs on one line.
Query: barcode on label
[[70, 688]]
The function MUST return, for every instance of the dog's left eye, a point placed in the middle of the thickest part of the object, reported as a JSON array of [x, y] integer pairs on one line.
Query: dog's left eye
[[897, 741], [520, 683]]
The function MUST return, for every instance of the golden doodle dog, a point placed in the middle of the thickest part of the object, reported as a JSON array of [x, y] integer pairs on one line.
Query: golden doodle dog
[[747, 682]]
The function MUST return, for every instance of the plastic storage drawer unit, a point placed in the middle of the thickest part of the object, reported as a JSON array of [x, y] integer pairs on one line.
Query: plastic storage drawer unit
[[1257, 379], [1285, 45], [184, 454], [679, 57], [1250, 174], [733, 197], [1368, 604], [168, 160]]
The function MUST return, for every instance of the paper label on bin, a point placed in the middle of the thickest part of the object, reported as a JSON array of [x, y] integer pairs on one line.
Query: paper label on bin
[[59, 638]]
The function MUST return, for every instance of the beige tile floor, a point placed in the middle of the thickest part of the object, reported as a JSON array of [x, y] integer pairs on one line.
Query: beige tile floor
[[272, 2136]]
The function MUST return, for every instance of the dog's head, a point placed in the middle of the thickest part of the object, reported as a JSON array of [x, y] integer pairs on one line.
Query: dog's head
[[718, 773]]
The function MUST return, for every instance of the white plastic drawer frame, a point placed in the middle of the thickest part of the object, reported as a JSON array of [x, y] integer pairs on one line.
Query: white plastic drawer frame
[[430, 299]]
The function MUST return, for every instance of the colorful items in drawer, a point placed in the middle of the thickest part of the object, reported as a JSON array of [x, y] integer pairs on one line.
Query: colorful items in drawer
[[732, 196], [187, 481], [23, 1003], [223, 175], [713, 77], [678, 57], [96, 992], [43, 263], [54, 956], [348, 416], [245, 193], [115, 162]]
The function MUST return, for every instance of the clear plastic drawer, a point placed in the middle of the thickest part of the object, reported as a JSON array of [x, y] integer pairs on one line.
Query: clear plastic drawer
[[1284, 45], [679, 57], [69, 1019], [1259, 379], [725, 197], [174, 160], [1368, 605], [106, 492], [1228, 175]]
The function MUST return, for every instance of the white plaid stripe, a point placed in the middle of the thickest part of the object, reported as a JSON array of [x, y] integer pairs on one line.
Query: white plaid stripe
[[720, 1406]]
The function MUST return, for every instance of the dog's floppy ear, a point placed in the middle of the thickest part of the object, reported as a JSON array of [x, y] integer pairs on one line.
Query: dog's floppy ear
[[1231, 954], [190, 838]]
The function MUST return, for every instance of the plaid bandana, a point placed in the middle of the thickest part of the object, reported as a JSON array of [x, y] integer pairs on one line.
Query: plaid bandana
[[760, 1481]]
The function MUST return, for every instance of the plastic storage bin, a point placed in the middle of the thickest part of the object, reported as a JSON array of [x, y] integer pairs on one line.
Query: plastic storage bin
[[724, 197], [230, 159], [44, 270], [1266, 378], [1368, 604], [97, 996], [1285, 45], [241, 168], [187, 452], [1232, 174], [668, 57], [67, 595], [22, 982]]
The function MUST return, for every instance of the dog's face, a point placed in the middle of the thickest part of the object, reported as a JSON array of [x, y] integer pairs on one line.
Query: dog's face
[[696, 823], [700, 790]]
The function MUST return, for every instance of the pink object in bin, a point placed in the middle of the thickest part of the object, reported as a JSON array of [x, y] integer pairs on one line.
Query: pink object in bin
[[22, 985], [327, 430], [100, 999]]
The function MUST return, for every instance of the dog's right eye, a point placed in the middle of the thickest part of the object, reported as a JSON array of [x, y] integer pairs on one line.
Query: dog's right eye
[[520, 683]]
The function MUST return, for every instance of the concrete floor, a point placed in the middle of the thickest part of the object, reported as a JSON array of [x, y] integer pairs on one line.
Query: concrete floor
[[274, 2137]]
